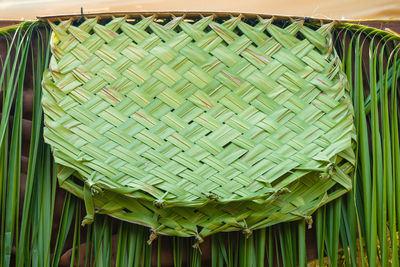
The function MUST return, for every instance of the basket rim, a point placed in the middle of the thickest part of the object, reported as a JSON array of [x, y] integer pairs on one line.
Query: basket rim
[[186, 14]]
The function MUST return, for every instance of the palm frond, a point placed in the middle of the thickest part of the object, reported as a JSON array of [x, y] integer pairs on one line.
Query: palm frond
[[360, 228]]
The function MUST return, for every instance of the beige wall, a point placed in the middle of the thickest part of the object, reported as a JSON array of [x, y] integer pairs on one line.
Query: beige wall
[[332, 9]]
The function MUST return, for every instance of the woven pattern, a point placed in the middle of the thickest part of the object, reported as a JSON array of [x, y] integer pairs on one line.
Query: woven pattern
[[192, 127]]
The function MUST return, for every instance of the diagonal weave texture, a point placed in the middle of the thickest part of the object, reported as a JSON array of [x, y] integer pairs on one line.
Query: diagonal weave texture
[[192, 127]]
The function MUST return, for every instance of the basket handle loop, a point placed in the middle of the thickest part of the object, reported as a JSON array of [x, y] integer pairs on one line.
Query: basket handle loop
[[89, 205], [89, 190]]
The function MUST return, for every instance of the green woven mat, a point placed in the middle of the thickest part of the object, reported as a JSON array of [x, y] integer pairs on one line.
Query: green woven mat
[[198, 126]]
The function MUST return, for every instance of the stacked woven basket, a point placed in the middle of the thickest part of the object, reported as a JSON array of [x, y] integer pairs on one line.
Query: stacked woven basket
[[193, 126]]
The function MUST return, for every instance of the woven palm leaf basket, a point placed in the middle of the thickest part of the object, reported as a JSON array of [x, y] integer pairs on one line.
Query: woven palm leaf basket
[[193, 125]]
